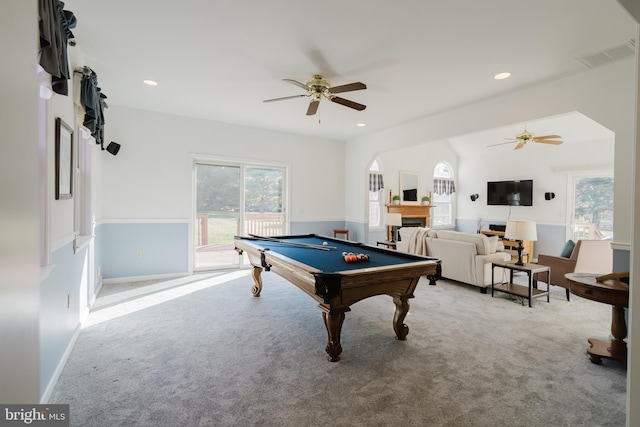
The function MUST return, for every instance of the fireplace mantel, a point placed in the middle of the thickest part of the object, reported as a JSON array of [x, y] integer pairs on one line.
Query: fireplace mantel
[[422, 212]]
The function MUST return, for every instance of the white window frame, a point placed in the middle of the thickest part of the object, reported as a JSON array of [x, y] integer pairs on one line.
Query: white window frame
[[441, 204], [375, 198], [571, 187], [82, 219]]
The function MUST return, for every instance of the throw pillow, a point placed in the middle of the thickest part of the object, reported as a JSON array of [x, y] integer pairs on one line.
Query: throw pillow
[[568, 249]]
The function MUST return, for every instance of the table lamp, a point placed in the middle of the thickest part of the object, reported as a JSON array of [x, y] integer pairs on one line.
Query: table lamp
[[394, 220], [519, 231]]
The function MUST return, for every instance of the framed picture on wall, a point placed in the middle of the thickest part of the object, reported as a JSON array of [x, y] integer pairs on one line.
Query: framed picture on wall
[[64, 160]]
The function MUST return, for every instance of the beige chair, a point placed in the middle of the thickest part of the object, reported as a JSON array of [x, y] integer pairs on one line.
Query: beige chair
[[588, 256]]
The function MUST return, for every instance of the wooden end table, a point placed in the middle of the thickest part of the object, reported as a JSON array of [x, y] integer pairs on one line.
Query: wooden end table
[[531, 291], [615, 293]]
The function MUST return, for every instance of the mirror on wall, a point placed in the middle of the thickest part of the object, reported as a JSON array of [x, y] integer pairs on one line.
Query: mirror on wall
[[409, 186]]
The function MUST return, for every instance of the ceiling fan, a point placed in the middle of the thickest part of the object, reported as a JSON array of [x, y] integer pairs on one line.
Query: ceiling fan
[[523, 138], [318, 88]]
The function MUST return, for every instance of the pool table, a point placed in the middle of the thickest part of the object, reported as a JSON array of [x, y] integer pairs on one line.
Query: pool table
[[323, 274]]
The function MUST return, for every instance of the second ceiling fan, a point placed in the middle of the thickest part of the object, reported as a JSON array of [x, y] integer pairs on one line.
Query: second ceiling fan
[[318, 88], [525, 137]]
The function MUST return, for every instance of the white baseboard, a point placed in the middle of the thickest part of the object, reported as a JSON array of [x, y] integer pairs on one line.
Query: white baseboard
[[63, 361], [144, 278], [95, 295]]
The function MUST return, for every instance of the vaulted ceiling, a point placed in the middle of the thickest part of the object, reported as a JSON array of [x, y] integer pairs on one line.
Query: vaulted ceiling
[[219, 60]]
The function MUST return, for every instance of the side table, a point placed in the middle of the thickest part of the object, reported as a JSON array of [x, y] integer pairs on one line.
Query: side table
[[531, 291], [608, 291]]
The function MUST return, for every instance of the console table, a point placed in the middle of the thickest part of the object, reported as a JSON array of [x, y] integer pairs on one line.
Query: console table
[[512, 244]]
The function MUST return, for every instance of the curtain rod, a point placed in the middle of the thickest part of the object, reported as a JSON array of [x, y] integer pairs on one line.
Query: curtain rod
[[83, 70]]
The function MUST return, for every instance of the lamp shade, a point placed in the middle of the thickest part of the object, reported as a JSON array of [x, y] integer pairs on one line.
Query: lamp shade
[[521, 230], [394, 219]]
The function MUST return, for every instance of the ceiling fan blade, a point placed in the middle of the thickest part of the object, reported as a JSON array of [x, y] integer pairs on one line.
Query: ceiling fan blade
[[313, 107], [285, 97], [502, 143], [348, 87], [348, 103], [547, 137], [297, 83], [520, 145], [549, 141]]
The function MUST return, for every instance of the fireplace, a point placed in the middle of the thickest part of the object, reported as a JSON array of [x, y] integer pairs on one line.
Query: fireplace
[[413, 222], [412, 216]]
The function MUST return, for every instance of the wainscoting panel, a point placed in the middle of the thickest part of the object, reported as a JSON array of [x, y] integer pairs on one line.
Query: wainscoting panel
[[143, 249]]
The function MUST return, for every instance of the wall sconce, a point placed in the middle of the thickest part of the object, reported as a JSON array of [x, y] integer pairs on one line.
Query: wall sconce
[[549, 196], [113, 147], [474, 197]]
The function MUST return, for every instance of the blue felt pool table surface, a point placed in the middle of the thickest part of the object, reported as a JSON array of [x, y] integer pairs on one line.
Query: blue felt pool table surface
[[332, 260]]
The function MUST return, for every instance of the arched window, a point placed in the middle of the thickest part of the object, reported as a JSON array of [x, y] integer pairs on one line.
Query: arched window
[[375, 195], [443, 191]]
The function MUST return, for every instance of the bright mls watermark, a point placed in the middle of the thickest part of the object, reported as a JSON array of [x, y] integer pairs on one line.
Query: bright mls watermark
[[34, 415]]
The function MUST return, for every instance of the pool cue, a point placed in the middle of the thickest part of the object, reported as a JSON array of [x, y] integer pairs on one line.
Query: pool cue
[[284, 242]]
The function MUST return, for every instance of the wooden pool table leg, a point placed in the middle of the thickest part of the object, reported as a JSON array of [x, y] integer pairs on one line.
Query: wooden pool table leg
[[257, 280], [402, 308], [333, 321]]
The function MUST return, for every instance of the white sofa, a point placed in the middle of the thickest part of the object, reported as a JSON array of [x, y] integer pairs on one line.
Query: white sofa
[[465, 257]]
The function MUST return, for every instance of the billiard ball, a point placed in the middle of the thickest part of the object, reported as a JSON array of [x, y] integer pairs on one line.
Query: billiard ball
[[325, 244]]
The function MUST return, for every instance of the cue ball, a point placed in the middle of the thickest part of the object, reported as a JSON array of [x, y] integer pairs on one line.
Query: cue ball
[[325, 244]]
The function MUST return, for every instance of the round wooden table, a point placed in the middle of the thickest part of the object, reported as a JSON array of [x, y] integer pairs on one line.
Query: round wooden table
[[615, 293]]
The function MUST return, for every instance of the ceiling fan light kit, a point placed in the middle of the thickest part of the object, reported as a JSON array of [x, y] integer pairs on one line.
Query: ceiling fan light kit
[[318, 88]]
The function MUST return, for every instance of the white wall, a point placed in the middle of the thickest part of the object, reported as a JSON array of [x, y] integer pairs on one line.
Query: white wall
[[61, 211], [549, 167], [69, 287], [420, 158], [156, 159], [633, 376], [605, 95], [147, 189], [19, 259]]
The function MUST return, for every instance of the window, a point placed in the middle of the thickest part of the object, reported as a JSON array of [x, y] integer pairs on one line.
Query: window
[[82, 220], [592, 213], [375, 195], [443, 189]]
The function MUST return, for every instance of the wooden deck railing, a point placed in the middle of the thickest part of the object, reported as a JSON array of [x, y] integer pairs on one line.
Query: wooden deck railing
[[587, 231], [264, 224]]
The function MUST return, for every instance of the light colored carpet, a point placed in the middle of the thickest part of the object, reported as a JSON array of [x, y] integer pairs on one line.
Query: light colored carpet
[[201, 351]]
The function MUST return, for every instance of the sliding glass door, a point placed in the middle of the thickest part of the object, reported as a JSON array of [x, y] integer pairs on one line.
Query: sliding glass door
[[235, 199]]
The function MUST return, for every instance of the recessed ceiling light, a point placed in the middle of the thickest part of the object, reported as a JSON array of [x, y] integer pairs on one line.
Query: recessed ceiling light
[[361, 125], [150, 82], [502, 76]]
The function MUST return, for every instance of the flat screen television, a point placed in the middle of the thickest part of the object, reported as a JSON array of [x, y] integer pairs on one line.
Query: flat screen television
[[510, 193]]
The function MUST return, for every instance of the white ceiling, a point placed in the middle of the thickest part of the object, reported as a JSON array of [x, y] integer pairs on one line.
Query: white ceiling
[[219, 59]]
